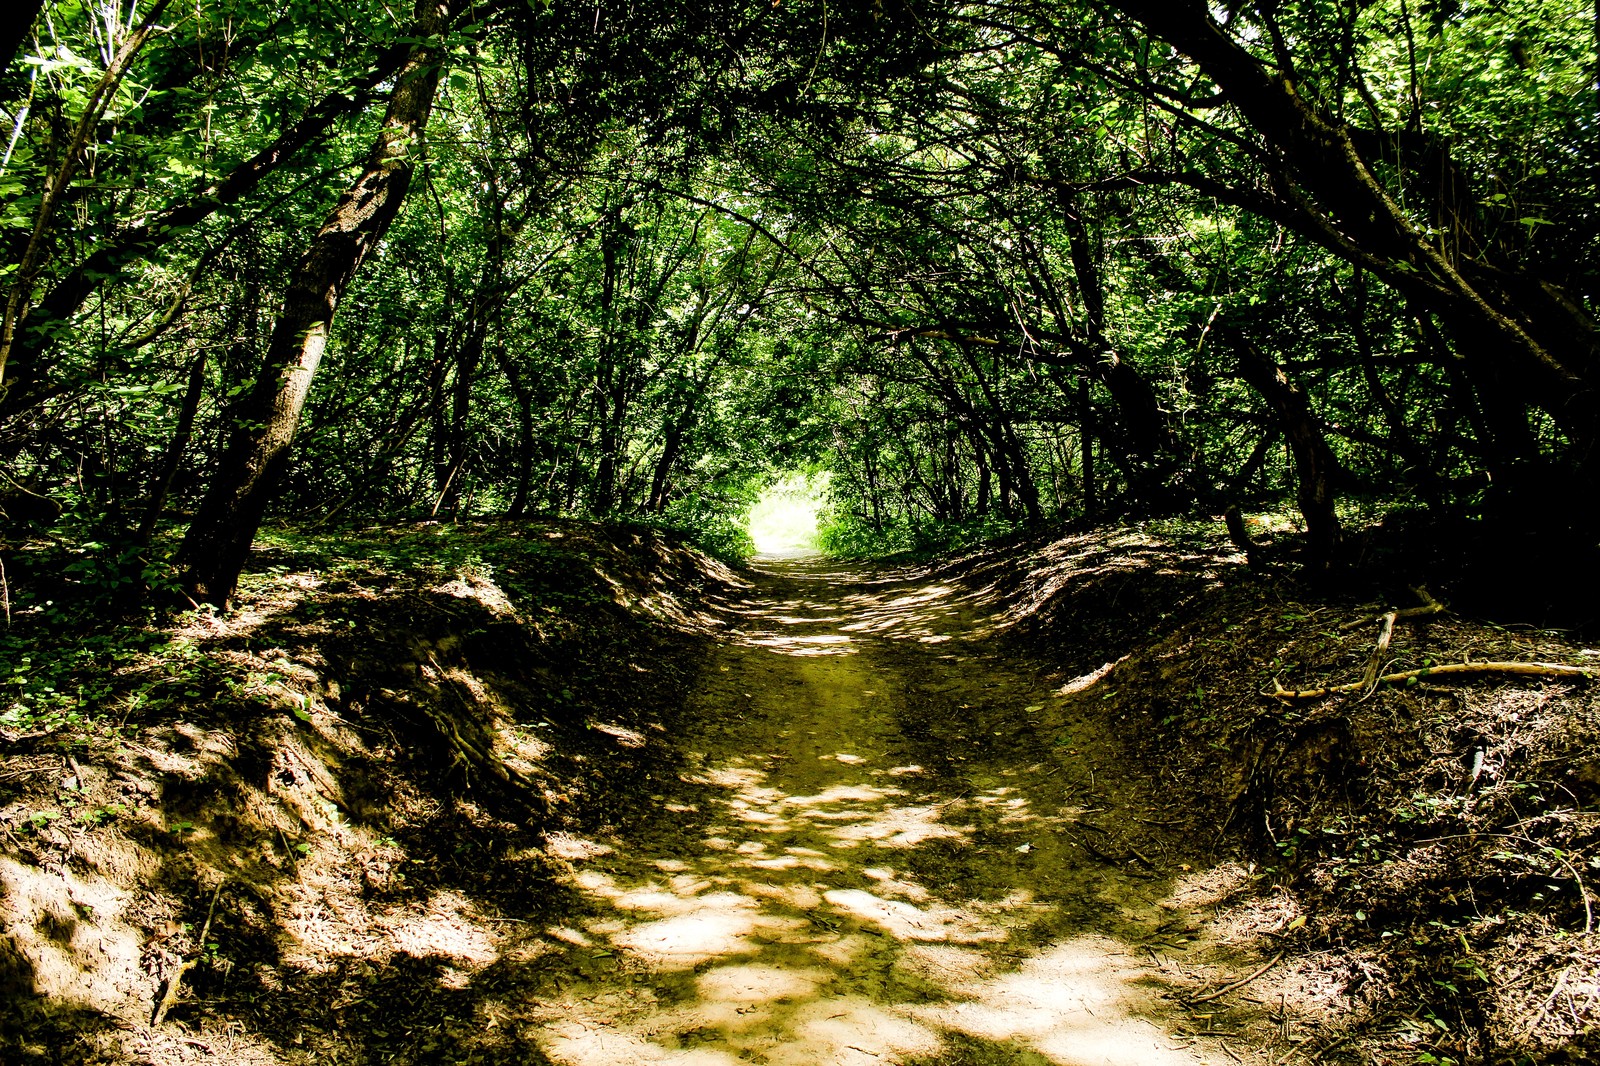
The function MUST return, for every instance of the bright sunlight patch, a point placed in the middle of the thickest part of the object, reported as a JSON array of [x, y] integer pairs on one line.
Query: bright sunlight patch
[[783, 521]]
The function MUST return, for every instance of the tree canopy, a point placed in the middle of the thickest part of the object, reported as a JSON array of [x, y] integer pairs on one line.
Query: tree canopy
[[987, 263]]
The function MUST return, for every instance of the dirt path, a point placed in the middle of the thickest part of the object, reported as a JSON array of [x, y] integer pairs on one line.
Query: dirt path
[[892, 848]]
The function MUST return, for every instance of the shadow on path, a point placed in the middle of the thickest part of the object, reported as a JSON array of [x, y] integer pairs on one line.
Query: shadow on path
[[885, 850]]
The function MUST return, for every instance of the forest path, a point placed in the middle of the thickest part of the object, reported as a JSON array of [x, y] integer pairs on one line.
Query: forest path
[[888, 845]]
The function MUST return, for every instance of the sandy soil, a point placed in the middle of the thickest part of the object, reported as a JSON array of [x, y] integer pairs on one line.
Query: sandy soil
[[808, 814], [892, 847]]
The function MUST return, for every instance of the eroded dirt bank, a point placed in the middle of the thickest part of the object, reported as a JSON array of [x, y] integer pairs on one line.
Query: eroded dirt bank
[[557, 794], [550, 792]]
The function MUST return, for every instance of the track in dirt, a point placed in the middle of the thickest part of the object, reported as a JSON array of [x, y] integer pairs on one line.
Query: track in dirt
[[894, 846]]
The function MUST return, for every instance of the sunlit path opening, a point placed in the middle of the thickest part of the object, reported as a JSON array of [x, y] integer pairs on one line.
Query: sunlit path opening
[[783, 521]]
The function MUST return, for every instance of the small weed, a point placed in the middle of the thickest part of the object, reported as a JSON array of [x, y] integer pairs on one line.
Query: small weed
[[102, 815]]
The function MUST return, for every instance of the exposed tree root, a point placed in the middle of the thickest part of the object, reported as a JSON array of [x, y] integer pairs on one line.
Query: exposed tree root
[[1430, 606]]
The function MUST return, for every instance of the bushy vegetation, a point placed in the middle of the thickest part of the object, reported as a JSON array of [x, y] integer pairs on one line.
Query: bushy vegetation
[[986, 265]]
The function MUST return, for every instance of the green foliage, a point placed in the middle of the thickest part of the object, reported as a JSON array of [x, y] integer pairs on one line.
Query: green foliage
[[713, 524], [76, 684], [986, 279], [850, 536]]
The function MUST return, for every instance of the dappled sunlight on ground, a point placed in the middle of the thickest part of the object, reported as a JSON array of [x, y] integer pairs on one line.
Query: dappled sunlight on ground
[[816, 894], [1069, 1003], [866, 839], [857, 603]]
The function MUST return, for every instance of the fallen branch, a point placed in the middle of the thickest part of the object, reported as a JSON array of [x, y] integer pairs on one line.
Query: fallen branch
[[1555, 671], [1430, 606], [1241, 982], [170, 995], [1369, 679]]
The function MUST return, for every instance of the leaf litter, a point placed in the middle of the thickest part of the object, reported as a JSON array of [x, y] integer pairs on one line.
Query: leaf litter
[[562, 793]]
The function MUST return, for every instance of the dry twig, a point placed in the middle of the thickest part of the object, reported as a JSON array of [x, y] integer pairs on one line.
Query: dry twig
[[170, 995], [1369, 679], [1241, 982], [1555, 671]]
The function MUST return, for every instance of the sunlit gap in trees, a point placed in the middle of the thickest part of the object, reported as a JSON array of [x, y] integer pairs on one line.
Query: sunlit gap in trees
[[783, 520]]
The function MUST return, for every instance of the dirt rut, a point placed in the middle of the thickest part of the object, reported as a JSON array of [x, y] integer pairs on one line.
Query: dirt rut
[[892, 847]]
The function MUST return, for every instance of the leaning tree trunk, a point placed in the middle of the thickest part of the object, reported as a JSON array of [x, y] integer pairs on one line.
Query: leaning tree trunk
[[525, 442], [1139, 411], [58, 182], [27, 370], [1546, 350], [1314, 461], [218, 541], [172, 461]]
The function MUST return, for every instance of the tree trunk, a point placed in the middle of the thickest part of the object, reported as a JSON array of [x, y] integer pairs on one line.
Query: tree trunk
[[58, 181], [1252, 465], [173, 460], [980, 506], [1027, 492], [26, 367], [1148, 435], [458, 435], [671, 449], [214, 551], [1415, 465], [1314, 462], [524, 396], [1091, 504], [1545, 348]]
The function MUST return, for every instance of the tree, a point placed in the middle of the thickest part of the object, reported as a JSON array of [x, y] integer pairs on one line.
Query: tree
[[1527, 334], [214, 550]]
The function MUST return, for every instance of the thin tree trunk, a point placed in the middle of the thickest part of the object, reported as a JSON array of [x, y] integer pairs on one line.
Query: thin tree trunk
[[1542, 344], [214, 551], [524, 396], [661, 480], [1026, 490], [458, 437], [1498, 421], [1138, 407], [1416, 466], [874, 496], [56, 183], [985, 480], [397, 438], [173, 460], [1091, 502], [1252, 465], [34, 336], [1314, 461]]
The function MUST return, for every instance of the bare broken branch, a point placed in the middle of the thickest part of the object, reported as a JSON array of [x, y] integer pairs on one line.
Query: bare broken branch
[[1555, 671]]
